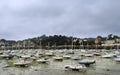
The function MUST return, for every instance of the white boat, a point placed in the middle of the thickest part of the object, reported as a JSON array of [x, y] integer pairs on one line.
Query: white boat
[[87, 62], [43, 61], [1, 52], [67, 56], [97, 53], [25, 56], [22, 63], [107, 56], [83, 51], [117, 59], [49, 54], [57, 58], [8, 56], [117, 56], [4, 56], [76, 58], [75, 67], [88, 55], [70, 52]]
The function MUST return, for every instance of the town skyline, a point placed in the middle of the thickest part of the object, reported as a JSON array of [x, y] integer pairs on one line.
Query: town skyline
[[62, 42]]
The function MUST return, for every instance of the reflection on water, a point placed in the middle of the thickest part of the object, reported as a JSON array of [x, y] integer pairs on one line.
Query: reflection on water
[[103, 66]]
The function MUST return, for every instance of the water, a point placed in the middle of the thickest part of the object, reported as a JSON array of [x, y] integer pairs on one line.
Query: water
[[103, 66]]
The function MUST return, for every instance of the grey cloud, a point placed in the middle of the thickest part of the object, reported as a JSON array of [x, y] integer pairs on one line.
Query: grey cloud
[[82, 18]]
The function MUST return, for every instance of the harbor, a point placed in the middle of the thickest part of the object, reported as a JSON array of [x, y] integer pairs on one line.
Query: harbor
[[28, 62], [59, 37]]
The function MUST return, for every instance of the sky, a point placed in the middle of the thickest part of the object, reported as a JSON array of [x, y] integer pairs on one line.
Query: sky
[[21, 19]]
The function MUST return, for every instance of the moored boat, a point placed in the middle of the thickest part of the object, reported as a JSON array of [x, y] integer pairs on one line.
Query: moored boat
[[117, 58], [75, 67], [43, 61], [57, 58], [107, 56], [67, 56], [76, 58], [87, 62], [22, 63]]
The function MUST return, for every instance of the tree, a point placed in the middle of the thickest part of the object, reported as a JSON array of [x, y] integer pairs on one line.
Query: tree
[[110, 36]]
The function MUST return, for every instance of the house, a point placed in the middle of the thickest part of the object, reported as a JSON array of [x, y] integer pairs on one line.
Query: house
[[109, 43]]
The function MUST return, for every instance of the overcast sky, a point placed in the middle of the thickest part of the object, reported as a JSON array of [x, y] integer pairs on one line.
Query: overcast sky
[[21, 19]]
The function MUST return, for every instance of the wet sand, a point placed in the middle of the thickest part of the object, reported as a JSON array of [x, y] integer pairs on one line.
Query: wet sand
[[103, 66]]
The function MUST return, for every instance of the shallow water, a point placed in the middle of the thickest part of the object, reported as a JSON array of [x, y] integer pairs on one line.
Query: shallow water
[[103, 66]]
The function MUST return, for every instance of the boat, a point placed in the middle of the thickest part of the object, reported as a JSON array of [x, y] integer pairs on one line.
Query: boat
[[49, 54], [97, 53], [43, 61], [107, 56], [76, 58], [88, 55], [7, 56], [117, 58], [57, 58], [75, 67], [67, 56], [87, 62], [70, 52], [40, 54], [25, 56], [34, 58], [22, 63]]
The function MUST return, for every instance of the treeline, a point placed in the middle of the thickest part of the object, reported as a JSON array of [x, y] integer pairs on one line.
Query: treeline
[[56, 41]]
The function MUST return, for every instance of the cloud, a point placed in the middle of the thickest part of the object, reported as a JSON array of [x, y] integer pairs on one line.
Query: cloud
[[82, 18]]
